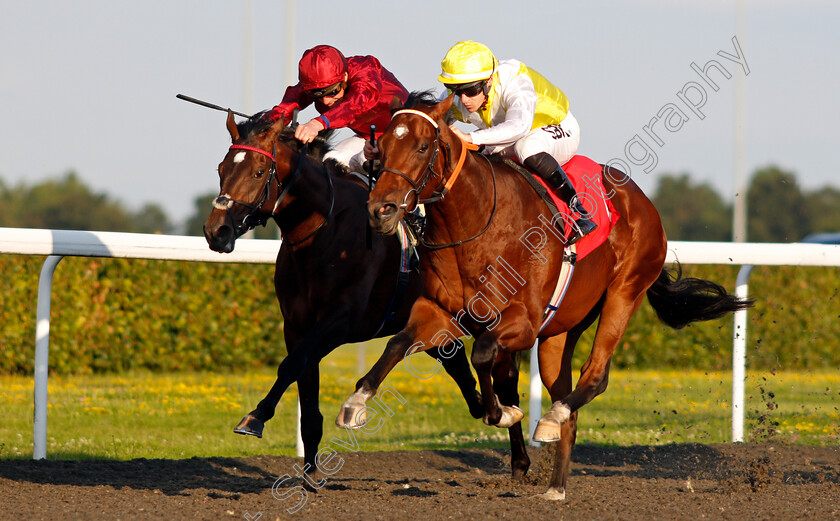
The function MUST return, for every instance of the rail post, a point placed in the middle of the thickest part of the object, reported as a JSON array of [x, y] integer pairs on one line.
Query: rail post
[[42, 355], [739, 355]]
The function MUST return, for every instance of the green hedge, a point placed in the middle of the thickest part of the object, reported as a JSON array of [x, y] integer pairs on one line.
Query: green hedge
[[111, 315], [793, 325]]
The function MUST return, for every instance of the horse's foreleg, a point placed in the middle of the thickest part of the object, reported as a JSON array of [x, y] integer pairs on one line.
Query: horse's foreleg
[[311, 419], [253, 423], [458, 367], [353, 412], [321, 340], [427, 321], [484, 354], [505, 384]]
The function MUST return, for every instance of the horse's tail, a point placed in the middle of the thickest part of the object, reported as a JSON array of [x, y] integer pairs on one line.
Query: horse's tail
[[680, 301]]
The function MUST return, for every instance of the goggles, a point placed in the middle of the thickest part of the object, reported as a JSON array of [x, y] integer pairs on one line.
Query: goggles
[[471, 90], [329, 91]]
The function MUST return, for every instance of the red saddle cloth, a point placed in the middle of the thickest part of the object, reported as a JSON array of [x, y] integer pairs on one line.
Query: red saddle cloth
[[585, 175]]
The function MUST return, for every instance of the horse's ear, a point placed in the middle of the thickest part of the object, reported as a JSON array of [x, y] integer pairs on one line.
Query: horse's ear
[[440, 110], [277, 127], [396, 104], [231, 126]]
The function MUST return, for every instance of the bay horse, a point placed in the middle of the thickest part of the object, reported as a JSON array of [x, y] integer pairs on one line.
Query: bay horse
[[478, 211], [332, 287]]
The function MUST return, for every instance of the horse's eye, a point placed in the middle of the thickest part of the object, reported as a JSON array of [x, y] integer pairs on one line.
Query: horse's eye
[[258, 174], [423, 148]]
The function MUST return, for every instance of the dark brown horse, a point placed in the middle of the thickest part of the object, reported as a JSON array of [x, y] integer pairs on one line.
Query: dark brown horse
[[475, 230], [332, 287]]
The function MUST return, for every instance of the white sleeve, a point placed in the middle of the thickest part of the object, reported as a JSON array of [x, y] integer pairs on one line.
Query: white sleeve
[[520, 100]]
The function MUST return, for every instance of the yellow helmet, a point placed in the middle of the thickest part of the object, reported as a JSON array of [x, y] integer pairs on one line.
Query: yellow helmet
[[467, 62]]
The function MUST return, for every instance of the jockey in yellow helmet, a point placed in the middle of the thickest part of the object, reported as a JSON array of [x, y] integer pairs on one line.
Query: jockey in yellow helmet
[[518, 113]]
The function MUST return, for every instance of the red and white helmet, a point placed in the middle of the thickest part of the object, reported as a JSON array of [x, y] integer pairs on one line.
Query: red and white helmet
[[321, 66]]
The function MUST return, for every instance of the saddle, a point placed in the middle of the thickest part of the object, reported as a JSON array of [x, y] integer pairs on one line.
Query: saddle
[[585, 174]]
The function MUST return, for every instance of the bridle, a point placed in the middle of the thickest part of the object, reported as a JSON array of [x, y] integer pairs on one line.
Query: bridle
[[428, 170], [253, 218], [445, 184]]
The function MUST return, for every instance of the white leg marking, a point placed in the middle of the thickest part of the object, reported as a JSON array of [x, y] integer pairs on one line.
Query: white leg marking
[[559, 413], [553, 494], [353, 414], [510, 416], [549, 427]]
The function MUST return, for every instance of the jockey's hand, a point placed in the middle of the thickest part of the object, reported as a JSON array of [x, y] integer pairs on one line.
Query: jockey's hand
[[371, 151], [309, 130], [458, 132]]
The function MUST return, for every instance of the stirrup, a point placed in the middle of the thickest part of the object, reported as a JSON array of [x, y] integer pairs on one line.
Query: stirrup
[[581, 229]]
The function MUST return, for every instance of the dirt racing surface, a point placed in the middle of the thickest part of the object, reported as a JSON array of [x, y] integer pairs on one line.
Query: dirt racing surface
[[739, 482]]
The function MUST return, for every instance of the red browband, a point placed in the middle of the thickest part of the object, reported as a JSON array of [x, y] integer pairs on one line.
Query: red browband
[[253, 149]]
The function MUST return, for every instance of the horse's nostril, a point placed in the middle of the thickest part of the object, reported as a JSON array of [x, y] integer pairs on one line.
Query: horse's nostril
[[219, 238], [386, 211]]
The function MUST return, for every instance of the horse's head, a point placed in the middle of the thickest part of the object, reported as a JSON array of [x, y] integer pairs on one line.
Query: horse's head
[[248, 180], [412, 160]]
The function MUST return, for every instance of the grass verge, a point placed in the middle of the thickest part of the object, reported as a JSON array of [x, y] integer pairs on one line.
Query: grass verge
[[183, 415]]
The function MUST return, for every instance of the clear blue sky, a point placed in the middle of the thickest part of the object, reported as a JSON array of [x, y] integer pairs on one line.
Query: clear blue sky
[[90, 85]]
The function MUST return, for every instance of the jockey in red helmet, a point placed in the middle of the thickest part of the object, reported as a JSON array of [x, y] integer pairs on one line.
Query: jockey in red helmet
[[353, 92]]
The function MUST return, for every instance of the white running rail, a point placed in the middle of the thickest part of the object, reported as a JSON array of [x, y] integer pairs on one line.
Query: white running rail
[[59, 243]]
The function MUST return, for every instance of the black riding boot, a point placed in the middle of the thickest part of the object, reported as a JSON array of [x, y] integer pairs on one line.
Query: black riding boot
[[544, 165]]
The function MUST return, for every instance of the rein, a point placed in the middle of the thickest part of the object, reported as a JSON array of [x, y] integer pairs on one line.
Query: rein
[[433, 246], [440, 193]]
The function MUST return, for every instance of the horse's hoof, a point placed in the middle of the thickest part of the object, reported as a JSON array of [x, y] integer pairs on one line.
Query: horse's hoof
[[547, 432], [250, 426], [351, 417], [552, 494], [519, 474], [511, 415]]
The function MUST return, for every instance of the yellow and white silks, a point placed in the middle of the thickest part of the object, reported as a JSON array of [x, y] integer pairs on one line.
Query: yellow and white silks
[[525, 110]]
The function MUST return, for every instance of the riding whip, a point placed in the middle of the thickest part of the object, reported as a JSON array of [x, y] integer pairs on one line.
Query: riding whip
[[210, 105], [370, 181]]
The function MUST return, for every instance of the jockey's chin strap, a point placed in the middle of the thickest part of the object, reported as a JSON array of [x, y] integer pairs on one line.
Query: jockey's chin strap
[[440, 192]]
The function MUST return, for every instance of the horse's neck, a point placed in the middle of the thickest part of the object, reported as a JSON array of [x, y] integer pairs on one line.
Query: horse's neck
[[308, 202], [472, 192]]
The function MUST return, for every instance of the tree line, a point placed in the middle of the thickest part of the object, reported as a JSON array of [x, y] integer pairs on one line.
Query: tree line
[[778, 210], [69, 204]]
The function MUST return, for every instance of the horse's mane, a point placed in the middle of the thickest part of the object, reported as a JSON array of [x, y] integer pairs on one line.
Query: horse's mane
[[257, 125], [421, 98]]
